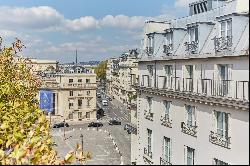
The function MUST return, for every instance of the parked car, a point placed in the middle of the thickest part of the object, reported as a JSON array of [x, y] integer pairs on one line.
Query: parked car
[[95, 124], [98, 95], [59, 125], [104, 102], [114, 122]]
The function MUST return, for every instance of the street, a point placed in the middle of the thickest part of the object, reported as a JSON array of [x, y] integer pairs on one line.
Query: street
[[99, 143]]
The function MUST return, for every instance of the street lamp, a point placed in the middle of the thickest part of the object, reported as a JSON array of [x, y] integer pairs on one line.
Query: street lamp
[[82, 141]]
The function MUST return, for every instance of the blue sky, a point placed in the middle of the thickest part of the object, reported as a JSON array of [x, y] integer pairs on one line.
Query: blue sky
[[98, 29]]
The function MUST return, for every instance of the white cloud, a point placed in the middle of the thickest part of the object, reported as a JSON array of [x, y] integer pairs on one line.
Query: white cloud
[[122, 21], [87, 22]]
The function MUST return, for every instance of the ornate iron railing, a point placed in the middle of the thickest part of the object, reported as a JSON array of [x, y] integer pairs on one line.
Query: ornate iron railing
[[217, 139], [167, 49], [149, 50], [164, 162], [223, 43], [149, 115], [166, 121], [187, 129], [192, 47], [148, 153]]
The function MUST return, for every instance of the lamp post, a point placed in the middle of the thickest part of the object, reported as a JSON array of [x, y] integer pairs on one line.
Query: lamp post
[[82, 141], [64, 129]]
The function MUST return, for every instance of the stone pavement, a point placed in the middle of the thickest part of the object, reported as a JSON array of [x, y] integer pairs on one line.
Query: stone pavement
[[100, 143]]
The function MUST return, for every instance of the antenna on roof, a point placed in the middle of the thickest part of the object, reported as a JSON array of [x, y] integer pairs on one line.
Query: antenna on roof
[[76, 56]]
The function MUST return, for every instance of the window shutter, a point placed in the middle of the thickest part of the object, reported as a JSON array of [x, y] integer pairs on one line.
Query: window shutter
[[185, 155], [185, 114], [170, 155], [214, 126]]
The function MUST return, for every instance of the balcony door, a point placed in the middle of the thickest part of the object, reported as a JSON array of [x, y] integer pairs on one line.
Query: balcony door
[[188, 78], [223, 79]]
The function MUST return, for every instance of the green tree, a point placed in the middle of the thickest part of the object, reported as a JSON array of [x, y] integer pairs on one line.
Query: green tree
[[101, 69], [24, 131]]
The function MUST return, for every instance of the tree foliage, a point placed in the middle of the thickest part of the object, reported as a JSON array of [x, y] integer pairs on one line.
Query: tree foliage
[[101, 69], [24, 130]]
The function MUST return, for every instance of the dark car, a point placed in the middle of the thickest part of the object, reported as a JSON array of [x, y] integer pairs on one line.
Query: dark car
[[95, 124], [109, 98], [114, 122], [58, 125]]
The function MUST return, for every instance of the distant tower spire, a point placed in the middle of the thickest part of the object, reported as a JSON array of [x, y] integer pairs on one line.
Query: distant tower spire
[[76, 56]]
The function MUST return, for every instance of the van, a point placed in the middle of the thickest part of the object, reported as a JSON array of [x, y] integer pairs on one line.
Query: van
[[104, 102]]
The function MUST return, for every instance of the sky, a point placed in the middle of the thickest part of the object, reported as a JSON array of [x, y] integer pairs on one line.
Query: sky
[[97, 29]]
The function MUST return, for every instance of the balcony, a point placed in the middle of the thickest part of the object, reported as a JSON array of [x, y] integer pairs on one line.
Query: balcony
[[217, 139], [166, 121], [147, 153], [208, 91], [168, 49], [223, 43], [187, 129], [55, 85], [149, 50], [192, 47], [149, 115], [164, 162]]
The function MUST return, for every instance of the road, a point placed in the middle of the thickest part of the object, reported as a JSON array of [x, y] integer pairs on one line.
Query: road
[[98, 142]]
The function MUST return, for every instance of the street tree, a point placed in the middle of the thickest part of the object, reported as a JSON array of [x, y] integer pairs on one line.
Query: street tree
[[24, 130]]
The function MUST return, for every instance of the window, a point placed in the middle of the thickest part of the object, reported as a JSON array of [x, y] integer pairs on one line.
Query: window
[[221, 123], [88, 92], [219, 162], [189, 156], [149, 141], [167, 149], [87, 114], [70, 80], [71, 93], [71, 105], [167, 109], [190, 116], [79, 80], [71, 116], [87, 80], [169, 70], [193, 34], [169, 38], [223, 72], [150, 41], [190, 71], [149, 104], [226, 28], [88, 102], [79, 115], [79, 103], [150, 70]]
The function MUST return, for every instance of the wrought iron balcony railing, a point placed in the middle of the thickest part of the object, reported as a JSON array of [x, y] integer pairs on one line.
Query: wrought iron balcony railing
[[223, 43], [148, 153], [227, 89], [218, 139], [164, 162], [149, 50], [168, 49], [149, 115], [192, 47], [166, 121], [188, 129]]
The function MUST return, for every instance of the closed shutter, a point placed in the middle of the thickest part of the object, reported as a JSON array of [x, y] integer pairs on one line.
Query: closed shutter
[[214, 125], [185, 155]]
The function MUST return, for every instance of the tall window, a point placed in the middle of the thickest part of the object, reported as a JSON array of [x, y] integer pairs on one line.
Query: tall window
[[226, 28], [189, 156], [70, 80], [88, 102], [150, 70], [169, 38], [79, 80], [167, 109], [71, 104], [193, 34], [79, 115], [150, 110], [79, 103], [219, 162], [221, 123], [87, 80], [190, 71], [71, 93], [149, 141], [169, 70], [167, 149], [190, 116], [151, 41], [223, 72]]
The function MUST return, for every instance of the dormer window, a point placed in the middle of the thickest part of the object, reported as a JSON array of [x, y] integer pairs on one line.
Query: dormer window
[[150, 45], [168, 47], [193, 37], [226, 28], [200, 7]]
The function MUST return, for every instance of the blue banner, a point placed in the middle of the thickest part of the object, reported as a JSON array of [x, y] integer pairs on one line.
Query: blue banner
[[46, 100]]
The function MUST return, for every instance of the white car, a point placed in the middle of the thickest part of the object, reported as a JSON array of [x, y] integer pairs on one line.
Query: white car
[[104, 102]]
